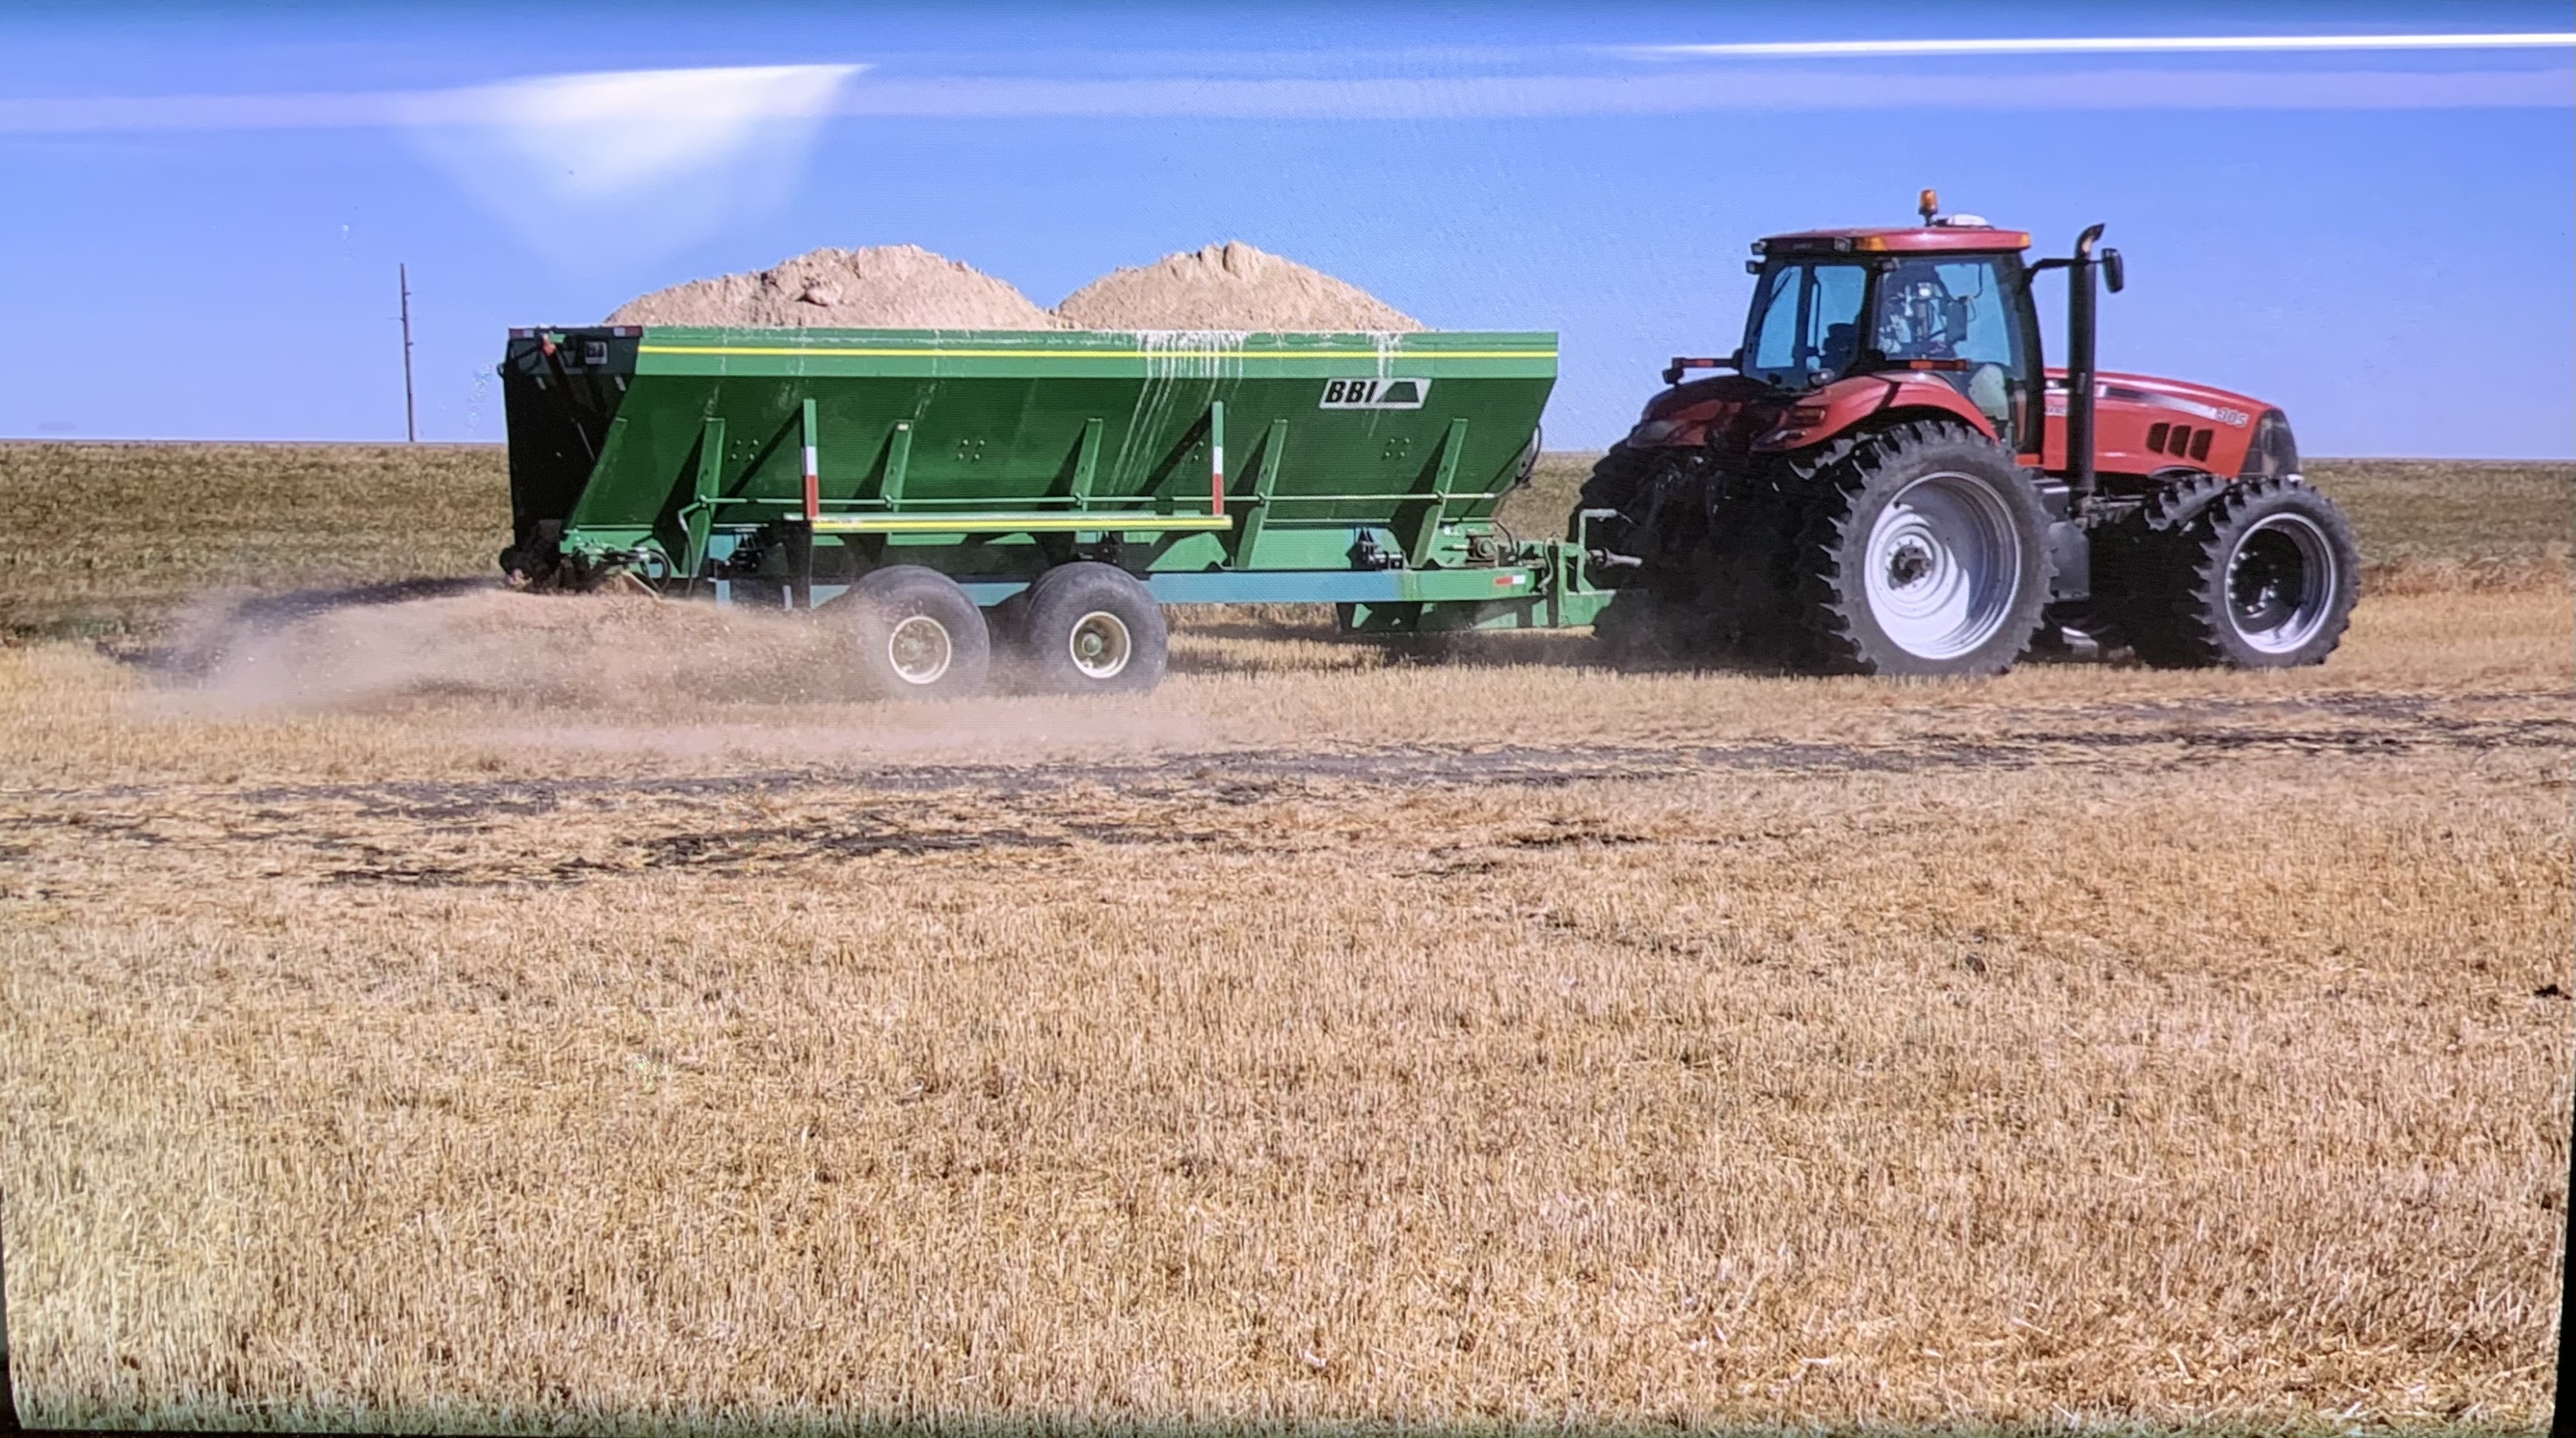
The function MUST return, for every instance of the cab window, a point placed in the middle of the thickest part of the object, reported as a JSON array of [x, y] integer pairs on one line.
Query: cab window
[[1805, 326], [1970, 309]]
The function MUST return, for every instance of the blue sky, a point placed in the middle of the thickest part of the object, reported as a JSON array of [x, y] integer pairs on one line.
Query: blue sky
[[206, 203]]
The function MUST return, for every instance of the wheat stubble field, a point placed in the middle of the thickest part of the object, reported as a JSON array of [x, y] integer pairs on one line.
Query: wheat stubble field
[[482, 1011]]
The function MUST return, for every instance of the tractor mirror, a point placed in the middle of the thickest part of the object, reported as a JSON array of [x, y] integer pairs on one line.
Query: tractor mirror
[[2115, 275]]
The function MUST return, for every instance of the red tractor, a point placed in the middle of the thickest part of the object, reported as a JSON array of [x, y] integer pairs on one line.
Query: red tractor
[[1891, 482]]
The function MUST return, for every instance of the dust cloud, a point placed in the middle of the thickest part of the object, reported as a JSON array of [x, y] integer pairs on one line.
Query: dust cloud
[[610, 673]]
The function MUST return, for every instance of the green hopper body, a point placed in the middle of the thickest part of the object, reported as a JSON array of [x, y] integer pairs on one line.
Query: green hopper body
[[778, 465]]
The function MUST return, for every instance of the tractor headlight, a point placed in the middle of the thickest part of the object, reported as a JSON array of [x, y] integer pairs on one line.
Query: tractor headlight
[[2271, 453]]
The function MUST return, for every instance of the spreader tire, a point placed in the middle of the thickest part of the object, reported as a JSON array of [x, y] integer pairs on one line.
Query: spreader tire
[[917, 634], [1923, 550], [1092, 629], [2263, 576], [1005, 620]]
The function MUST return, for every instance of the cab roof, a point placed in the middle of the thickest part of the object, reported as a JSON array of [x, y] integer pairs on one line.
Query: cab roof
[[1918, 239]]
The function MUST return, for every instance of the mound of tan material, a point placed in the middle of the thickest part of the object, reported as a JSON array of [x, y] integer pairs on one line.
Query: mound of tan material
[[1227, 287], [902, 287]]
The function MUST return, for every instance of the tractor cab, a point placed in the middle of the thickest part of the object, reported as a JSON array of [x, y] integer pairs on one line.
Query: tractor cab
[[1851, 323], [1947, 303]]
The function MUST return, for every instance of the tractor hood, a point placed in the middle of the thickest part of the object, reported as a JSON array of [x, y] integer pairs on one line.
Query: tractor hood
[[2143, 424], [2146, 423]]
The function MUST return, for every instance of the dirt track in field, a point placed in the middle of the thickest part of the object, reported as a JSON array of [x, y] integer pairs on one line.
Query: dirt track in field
[[377, 832]]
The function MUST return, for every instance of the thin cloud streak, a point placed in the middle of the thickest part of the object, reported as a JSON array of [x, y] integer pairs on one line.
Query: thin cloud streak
[[2124, 45], [146, 114], [1672, 93], [1685, 90], [719, 95]]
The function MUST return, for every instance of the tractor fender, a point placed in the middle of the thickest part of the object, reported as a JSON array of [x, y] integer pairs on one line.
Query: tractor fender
[[1871, 401]]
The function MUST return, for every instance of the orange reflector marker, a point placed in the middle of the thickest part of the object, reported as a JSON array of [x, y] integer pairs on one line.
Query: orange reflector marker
[[1216, 457], [813, 470]]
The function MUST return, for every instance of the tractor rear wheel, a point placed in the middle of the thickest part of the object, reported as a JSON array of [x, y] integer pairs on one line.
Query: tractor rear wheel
[[1092, 628], [1614, 482], [1644, 625], [1748, 580], [1649, 521], [2263, 576], [1655, 496], [1923, 551], [919, 636]]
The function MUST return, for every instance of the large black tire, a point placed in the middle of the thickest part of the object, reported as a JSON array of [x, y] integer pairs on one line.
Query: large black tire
[[1005, 620], [1613, 483], [1642, 625], [1654, 617], [1922, 550], [1657, 497], [916, 634], [1092, 629], [1749, 581], [2261, 575]]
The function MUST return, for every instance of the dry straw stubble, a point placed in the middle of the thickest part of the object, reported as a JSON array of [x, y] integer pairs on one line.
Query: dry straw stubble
[[1884, 1058], [1334, 1036]]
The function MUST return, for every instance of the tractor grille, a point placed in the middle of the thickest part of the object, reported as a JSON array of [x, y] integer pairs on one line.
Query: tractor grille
[[2182, 441]]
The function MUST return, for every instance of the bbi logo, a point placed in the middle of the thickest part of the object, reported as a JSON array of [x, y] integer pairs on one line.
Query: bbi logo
[[1375, 393]]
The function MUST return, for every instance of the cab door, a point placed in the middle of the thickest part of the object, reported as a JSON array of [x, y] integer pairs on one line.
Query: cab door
[[1973, 314]]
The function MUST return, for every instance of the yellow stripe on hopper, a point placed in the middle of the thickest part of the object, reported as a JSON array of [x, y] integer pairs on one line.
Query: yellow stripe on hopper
[[1011, 523], [1093, 354]]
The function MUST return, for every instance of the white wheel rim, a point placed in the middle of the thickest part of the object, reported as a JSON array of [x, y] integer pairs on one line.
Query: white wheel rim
[[1100, 645], [919, 650], [1944, 566], [2280, 583]]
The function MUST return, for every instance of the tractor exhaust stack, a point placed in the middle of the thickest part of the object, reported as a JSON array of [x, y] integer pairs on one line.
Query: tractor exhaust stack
[[2079, 363], [2080, 329]]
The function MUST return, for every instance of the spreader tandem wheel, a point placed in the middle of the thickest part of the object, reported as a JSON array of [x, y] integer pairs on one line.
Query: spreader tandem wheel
[[1924, 551], [1091, 628], [918, 635], [2263, 576]]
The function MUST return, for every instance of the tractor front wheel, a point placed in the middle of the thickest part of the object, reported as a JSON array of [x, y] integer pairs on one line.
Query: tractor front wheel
[[1924, 552], [2263, 577]]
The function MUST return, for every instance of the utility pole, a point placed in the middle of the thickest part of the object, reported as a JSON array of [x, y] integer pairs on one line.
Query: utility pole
[[411, 422]]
